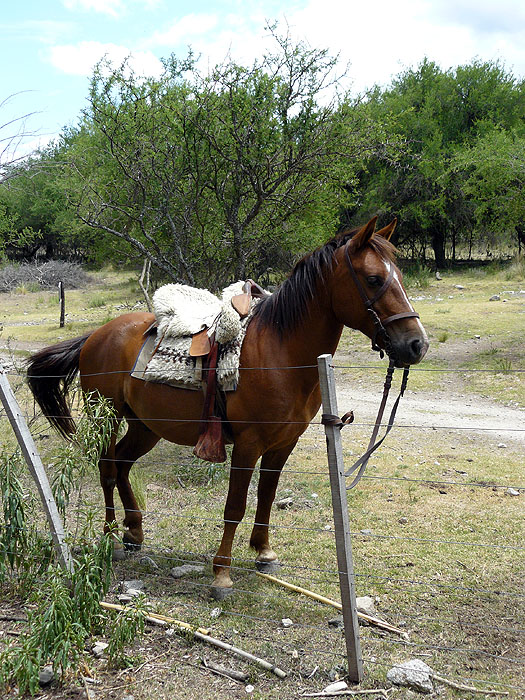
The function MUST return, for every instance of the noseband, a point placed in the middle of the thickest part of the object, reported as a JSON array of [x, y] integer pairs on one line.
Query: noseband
[[369, 306], [360, 465]]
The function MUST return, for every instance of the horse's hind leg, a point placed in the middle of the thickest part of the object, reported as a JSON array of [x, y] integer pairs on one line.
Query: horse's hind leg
[[271, 467], [108, 479], [137, 441]]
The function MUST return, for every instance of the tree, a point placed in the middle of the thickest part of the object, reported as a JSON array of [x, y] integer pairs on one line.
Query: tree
[[493, 173], [205, 175], [438, 114]]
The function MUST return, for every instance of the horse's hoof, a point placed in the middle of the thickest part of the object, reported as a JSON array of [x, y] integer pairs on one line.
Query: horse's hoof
[[220, 592], [268, 567], [130, 545], [119, 553]]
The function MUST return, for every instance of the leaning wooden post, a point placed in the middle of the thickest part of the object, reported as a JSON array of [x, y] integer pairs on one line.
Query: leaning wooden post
[[341, 521], [31, 456]]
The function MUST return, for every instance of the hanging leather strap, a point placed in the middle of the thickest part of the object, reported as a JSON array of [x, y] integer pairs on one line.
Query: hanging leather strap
[[362, 462]]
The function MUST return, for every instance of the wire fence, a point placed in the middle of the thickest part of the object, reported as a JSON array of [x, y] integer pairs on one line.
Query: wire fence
[[461, 607]]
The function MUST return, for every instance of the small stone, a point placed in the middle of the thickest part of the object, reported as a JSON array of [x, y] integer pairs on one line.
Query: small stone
[[336, 622], [99, 649], [133, 593], [478, 337], [149, 562], [284, 503], [459, 286], [336, 687], [495, 297], [365, 604], [413, 674], [502, 445], [286, 622], [46, 676], [125, 598], [512, 492], [133, 585], [185, 569], [215, 613]]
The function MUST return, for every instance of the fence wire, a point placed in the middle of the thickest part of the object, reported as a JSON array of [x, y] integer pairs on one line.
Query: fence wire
[[314, 640]]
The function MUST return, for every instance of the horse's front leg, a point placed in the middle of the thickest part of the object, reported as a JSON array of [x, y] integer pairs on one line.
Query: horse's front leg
[[271, 466], [242, 465]]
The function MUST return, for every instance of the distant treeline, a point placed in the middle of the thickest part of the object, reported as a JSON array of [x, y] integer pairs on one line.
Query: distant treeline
[[235, 173]]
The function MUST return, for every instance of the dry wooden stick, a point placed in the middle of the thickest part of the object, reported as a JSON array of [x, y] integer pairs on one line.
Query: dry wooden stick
[[469, 688], [240, 652], [233, 675], [155, 619], [203, 636], [327, 601], [337, 693]]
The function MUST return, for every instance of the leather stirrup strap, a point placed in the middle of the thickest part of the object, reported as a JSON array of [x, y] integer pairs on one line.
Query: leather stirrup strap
[[362, 462]]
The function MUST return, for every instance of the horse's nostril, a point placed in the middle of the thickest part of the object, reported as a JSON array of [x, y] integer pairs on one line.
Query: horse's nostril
[[416, 346]]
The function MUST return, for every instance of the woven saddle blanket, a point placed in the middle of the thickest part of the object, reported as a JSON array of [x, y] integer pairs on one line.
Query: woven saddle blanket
[[181, 312]]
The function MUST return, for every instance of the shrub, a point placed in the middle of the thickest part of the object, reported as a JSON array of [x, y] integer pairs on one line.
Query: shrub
[[33, 276]]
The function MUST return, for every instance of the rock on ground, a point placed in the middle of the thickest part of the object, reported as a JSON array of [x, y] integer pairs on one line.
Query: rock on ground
[[413, 674]]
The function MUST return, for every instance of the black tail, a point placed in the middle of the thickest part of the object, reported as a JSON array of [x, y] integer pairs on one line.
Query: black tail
[[50, 373]]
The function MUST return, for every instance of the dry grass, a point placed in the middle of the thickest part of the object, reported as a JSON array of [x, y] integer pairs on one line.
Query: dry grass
[[443, 557]]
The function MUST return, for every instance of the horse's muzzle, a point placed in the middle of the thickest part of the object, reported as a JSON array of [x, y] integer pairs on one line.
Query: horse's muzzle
[[409, 351]]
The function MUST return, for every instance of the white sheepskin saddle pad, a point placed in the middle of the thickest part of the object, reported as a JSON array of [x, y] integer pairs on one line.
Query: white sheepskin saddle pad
[[181, 312]]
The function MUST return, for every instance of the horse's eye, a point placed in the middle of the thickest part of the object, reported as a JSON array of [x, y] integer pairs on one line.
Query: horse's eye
[[374, 280]]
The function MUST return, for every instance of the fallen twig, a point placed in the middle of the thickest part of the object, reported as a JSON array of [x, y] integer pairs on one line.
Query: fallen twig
[[236, 676], [203, 636], [338, 693], [468, 688], [376, 621], [90, 695]]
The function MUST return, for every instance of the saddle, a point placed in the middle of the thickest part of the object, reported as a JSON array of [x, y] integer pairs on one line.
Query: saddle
[[211, 325], [210, 445]]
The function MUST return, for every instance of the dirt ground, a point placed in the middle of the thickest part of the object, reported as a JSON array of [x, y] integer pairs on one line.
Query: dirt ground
[[170, 666]]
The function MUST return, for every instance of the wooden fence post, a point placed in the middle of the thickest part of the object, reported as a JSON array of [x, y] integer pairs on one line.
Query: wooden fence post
[[34, 463], [341, 521]]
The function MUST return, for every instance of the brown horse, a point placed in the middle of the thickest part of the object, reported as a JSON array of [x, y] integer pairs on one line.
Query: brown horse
[[327, 290]]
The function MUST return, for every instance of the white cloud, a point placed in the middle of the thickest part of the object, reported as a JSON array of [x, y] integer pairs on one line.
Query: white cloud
[[39, 31], [108, 7], [184, 31], [114, 8], [80, 59]]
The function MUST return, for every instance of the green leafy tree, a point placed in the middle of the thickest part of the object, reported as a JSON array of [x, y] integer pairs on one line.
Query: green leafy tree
[[213, 177], [438, 114]]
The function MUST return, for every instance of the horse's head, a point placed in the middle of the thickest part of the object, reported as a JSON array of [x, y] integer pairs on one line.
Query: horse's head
[[368, 295]]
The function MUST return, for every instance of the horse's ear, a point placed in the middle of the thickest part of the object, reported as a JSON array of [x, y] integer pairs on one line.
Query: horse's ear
[[388, 230], [364, 234]]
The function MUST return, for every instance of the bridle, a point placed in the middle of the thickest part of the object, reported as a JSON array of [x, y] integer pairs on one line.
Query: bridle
[[380, 330], [369, 306]]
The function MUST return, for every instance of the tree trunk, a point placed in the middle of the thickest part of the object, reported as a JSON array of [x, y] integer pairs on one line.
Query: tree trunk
[[438, 246]]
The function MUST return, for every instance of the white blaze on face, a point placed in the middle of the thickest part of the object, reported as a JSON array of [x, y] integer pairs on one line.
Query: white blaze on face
[[395, 278]]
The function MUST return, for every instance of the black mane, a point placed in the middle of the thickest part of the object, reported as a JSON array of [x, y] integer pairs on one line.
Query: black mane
[[285, 309]]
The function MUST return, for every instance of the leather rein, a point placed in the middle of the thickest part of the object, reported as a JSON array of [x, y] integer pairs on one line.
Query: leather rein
[[380, 331]]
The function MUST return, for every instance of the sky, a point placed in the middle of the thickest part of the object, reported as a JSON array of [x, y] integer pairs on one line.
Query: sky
[[48, 47]]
